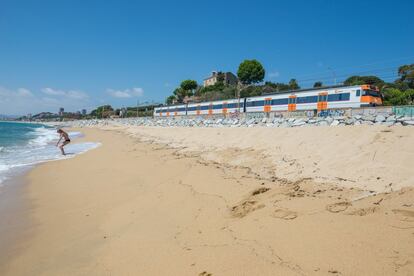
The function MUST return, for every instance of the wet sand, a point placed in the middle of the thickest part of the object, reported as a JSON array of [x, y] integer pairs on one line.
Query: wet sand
[[139, 206], [15, 220]]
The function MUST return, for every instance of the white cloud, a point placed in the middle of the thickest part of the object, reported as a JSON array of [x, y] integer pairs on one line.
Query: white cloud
[[22, 101], [127, 93], [23, 92], [15, 101], [52, 92], [77, 95], [19, 93], [274, 75], [119, 94], [72, 94]]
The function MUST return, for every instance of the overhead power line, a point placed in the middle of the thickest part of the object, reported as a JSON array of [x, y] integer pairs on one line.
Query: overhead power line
[[361, 66], [368, 72]]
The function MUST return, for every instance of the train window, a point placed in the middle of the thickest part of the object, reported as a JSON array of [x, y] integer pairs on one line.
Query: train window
[[280, 101], [372, 93], [333, 97], [308, 99], [338, 97], [255, 103], [358, 93], [345, 96]]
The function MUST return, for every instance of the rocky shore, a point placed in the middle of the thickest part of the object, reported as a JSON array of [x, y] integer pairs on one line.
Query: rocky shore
[[256, 121]]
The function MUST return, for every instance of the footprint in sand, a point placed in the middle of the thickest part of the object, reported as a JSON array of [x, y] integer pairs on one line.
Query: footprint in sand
[[363, 211], [284, 214], [260, 190], [406, 214], [245, 208], [338, 207], [249, 205]]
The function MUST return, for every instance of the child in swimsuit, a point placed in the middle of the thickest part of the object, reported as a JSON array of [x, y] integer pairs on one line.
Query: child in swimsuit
[[66, 140]]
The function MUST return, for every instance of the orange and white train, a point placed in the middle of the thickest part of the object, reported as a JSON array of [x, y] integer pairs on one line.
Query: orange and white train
[[316, 99]]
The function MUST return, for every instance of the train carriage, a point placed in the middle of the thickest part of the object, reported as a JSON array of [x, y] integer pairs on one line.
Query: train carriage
[[215, 107], [170, 111], [315, 99], [320, 99]]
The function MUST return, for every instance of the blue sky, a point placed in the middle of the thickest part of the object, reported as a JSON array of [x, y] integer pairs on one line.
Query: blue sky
[[80, 54]]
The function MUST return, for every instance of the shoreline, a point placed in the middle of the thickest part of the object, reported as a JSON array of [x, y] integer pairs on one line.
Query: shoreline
[[139, 206], [19, 169], [15, 207]]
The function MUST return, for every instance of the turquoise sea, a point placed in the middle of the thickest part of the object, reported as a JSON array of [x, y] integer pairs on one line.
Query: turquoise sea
[[23, 145]]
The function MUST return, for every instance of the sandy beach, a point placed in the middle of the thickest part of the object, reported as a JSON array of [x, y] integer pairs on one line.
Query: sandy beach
[[212, 201]]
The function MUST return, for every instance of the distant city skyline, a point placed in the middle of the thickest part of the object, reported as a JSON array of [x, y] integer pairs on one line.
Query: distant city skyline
[[82, 54]]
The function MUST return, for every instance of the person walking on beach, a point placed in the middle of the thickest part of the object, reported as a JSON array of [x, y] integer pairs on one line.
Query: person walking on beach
[[66, 140]]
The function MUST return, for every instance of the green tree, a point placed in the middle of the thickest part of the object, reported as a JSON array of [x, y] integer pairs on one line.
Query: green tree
[[179, 94], [102, 111], [394, 96], [402, 85], [293, 84], [409, 95], [251, 91], [189, 86], [271, 87], [217, 87], [250, 71], [317, 84], [358, 80], [170, 99], [406, 73]]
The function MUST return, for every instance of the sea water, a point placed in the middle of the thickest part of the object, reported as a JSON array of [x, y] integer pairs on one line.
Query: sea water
[[24, 144]]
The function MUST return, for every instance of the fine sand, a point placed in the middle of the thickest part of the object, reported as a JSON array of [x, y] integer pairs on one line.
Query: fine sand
[[252, 201]]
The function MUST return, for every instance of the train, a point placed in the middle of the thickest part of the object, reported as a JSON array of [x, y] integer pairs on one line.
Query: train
[[313, 99]]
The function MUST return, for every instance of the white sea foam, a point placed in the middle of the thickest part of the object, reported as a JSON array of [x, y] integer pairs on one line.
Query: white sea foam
[[41, 148], [44, 136]]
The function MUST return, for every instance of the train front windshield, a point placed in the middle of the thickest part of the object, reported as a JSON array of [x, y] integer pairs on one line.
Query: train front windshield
[[371, 95]]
